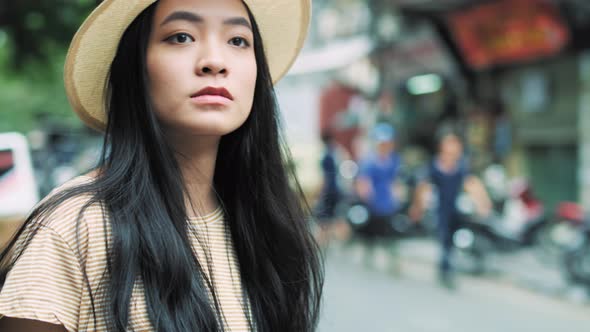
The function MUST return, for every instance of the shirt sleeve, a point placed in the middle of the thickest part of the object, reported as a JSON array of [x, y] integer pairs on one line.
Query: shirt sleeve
[[364, 169], [396, 167], [45, 283], [465, 168]]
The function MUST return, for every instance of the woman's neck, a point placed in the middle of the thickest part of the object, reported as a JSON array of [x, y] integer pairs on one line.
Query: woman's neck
[[196, 158]]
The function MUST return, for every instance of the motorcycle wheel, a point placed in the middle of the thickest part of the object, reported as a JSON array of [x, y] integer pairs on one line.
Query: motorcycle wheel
[[554, 239], [577, 264], [471, 251]]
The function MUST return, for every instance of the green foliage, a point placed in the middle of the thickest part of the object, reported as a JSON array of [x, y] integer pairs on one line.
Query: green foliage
[[24, 97], [34, 37], [34, 26]]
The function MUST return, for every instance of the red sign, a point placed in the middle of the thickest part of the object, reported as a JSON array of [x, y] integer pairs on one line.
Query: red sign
[[335, 107], [507, 31], [18, 190], [6, 161]]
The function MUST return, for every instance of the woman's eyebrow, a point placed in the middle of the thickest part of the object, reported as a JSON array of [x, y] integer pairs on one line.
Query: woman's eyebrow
[[195, 18], [237, 21], [182, 16]]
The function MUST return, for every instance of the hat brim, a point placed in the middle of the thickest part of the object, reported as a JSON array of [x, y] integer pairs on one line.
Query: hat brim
[[283, 25]]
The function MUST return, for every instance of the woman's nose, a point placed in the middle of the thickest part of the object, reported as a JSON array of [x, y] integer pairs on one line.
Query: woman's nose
[[211, 62]]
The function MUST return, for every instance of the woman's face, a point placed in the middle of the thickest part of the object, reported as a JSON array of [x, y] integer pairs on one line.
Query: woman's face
[[201, 66]]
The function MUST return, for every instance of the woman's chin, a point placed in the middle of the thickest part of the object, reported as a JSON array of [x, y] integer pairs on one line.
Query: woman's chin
[[209, 128]]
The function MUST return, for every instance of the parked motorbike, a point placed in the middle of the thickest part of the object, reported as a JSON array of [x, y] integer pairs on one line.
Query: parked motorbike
[[60, 154], [577, 259], [563, 232], [513, 224]]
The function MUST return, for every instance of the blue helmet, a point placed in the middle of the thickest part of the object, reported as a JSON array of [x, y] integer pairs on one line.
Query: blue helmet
[[383, 132]]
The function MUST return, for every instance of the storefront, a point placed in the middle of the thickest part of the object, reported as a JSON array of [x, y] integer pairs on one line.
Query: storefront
[[522, 99], [421, 76], [522, 64]]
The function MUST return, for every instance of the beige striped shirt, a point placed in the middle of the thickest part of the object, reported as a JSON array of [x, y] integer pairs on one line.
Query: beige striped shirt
[[47, 282]]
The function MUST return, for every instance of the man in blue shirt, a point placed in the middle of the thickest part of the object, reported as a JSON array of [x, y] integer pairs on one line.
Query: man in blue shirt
[[376, 179]]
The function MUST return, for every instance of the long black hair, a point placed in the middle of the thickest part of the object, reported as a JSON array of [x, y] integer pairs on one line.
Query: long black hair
[[140, 185]]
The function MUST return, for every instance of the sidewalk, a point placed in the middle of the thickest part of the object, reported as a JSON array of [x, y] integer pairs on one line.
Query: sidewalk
[[520, 268]]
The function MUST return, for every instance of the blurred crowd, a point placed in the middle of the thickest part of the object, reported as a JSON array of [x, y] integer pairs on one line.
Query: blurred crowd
[[379, 187]]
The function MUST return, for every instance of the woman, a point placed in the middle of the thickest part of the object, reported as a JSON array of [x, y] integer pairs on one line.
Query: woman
[[188, 223]]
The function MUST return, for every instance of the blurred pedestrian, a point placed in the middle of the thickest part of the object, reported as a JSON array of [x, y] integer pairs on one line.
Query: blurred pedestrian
[[448, 175], [325, 211], [189, 222], [375, 186]]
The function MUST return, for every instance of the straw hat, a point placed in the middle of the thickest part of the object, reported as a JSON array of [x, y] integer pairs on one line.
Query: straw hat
[[283, 26]]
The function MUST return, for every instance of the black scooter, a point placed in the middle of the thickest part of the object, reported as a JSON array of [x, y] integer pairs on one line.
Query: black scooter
[[563, 232], [514, 224], [576, 261]]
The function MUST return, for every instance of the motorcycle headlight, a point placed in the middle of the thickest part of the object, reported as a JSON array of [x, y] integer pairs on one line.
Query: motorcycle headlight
[[464, 204], [464, 238], [358, 215]]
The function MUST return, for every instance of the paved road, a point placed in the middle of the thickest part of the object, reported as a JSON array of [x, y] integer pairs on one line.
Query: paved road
[[358, 298]]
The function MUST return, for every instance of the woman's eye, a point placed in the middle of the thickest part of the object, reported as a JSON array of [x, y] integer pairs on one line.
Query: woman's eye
[[239, 42], [181, 38]]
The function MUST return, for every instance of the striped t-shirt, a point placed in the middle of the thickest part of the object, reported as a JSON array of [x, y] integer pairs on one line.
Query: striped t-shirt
[[47, 282]]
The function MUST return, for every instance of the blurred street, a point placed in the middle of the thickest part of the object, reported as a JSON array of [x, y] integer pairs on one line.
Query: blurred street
[[462, 124], [358, 298]]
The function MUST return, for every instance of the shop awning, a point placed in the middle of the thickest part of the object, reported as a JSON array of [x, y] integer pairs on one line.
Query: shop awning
[[336, 55]]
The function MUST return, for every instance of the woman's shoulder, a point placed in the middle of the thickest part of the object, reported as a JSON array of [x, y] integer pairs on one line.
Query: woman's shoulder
[[58, 257], [70, 212]]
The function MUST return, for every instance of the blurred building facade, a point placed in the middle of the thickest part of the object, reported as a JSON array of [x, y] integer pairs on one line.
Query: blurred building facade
[[512, 75], [522, 62]]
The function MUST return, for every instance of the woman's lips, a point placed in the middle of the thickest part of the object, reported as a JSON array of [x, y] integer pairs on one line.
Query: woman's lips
[[212, 96], [211, 100]]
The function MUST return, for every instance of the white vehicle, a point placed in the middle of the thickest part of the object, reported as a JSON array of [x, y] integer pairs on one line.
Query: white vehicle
[[18, 188]]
